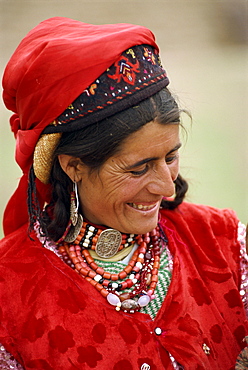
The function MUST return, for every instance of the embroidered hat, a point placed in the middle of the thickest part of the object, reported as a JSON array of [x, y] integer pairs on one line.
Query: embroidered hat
[[136, 75]]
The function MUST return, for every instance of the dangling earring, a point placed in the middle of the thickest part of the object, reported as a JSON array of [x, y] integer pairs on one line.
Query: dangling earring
[[74, 205], [76, 219]]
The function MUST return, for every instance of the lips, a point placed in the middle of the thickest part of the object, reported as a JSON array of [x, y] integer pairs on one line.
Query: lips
[[142, 207]]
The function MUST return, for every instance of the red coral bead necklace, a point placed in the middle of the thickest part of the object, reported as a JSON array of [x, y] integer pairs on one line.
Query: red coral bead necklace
[[133, 287]]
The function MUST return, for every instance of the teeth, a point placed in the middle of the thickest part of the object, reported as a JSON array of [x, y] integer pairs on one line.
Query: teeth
[[141, 207]]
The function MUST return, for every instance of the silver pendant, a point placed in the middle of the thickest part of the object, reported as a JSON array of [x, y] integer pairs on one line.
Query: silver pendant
[[108, 243], [73, 212], [74, 230]]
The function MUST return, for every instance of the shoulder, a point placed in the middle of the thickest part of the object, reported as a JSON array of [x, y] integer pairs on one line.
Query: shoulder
[[210, 234], [200, 216], [17, 241], [206, 226], [22, 256], [207, 212]]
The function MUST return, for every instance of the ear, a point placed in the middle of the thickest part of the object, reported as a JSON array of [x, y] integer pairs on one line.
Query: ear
[[71, 166]]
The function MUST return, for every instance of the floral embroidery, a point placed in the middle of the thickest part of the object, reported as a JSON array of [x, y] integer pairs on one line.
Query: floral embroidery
[[149, 56], [125, 71]]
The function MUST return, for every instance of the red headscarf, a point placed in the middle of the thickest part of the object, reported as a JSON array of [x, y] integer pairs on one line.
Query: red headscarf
[[50, 68]]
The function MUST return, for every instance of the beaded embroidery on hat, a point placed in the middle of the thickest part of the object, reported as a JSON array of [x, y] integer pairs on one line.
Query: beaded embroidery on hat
[[135, 76]]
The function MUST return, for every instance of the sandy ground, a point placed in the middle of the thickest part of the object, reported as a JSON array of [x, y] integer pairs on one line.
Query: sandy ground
[[204, 50]]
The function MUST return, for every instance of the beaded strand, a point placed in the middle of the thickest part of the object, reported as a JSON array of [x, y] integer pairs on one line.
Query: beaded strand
[[139, 277], [89, 235]]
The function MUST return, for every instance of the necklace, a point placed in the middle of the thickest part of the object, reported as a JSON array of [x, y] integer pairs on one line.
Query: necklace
[[133, 287], [105, 242]]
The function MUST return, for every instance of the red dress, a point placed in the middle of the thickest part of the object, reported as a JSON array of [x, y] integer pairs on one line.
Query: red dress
[[51, 318]]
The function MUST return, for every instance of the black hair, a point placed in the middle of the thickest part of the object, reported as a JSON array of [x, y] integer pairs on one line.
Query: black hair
[[94, 145]]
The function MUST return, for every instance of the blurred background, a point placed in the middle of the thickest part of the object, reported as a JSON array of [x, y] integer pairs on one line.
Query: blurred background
[[203, 47]]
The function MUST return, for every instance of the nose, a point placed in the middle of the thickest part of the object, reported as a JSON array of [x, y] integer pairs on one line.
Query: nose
[[162, 180]]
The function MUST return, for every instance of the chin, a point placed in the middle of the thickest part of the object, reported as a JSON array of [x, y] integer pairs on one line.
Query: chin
[[144, 228]]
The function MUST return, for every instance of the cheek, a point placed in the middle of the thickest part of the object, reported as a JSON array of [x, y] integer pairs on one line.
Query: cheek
[[89, 192], [124, 191], [116, 185]]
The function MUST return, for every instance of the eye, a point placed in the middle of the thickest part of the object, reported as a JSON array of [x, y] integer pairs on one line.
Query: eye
[[141, 172], [171, 158]]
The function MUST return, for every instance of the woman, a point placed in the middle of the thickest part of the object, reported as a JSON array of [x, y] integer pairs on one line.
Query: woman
[[110, 272]]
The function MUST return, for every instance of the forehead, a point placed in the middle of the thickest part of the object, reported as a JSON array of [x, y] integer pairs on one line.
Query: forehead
[[151, 137]]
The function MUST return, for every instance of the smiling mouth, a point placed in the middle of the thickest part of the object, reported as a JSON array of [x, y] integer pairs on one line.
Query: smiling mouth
[[141, 207]]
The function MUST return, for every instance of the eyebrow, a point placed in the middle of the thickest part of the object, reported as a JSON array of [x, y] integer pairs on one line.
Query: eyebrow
[[146, 160]]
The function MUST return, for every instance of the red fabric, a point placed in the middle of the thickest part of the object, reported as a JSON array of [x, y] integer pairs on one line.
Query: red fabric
[[53, 64], [51, 318]]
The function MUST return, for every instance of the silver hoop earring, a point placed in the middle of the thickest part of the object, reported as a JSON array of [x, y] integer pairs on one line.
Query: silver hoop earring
[[74, 205], [76, 218]]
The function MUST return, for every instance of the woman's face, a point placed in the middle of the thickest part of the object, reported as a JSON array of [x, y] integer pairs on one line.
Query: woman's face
[[127, 191]]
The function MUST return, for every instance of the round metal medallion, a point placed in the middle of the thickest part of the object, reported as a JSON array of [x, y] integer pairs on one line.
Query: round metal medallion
[[108, 243]]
